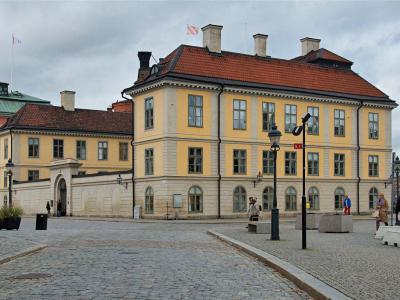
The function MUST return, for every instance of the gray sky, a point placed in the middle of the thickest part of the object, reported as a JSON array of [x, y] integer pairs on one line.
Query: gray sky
[[91, 47]]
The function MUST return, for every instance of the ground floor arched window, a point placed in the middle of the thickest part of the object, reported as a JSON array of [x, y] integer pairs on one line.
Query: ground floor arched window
[[313, 198], [268, 198], [291, 199], [149, 200], [372, 197], [339, 198], [239, 199], [195, 199]]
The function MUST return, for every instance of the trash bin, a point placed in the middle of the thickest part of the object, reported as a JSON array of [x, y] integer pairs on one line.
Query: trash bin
[[41, 222]]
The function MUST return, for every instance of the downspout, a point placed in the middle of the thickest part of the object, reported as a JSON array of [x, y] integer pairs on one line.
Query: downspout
[[358, 156], [219, 150], [133, 150], [11, 144]]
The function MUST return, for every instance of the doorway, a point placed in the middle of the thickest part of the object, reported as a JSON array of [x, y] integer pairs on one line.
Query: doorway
[[62, 198]]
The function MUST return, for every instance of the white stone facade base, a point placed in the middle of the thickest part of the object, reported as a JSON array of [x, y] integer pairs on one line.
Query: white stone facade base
[[335, 223], [312, 220]]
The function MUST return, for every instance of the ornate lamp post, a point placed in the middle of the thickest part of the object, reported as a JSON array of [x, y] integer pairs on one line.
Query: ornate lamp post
[[397, 171], [274, 137], [9, 167]]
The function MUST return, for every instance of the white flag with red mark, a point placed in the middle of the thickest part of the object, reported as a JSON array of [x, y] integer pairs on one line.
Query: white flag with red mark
[[192, 30]]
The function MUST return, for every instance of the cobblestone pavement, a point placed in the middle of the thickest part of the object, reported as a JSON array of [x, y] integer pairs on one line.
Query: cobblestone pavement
[[10, 245], [354, 263], [105, 260]]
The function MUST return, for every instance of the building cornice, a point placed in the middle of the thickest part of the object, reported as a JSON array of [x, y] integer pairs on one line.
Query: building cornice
[[65, 133]]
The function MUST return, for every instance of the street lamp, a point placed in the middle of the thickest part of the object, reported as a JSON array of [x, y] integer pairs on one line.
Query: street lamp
[[120, 182], [258, 179], [9, 167], [297, 131], [397, 171], [274, 138]]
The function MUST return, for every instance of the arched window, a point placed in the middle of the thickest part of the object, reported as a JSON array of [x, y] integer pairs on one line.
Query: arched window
[[195, 199], [373, 197], [313, 198], [291, 198], [339, 197], [268, 198], [149, 201], [239, 199]]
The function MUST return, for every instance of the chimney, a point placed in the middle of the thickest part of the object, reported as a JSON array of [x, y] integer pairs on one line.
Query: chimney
[[260, 44], [68, 100], [144, 69], [212, 37], [308, 45]]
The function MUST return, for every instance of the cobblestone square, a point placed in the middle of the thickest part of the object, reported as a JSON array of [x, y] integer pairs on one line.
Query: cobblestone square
[[104, 260]]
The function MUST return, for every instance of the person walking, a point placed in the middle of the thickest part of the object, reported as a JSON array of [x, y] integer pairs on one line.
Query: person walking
[[398, 212], [253, 211], [48, 208], [382, 206], [58, 208], [347, 205]]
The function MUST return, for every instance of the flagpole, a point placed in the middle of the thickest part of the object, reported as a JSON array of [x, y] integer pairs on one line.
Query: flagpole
[[12, 63]]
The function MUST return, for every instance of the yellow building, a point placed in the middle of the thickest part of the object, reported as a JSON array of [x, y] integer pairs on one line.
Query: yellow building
[[202, 116], [37, 135]]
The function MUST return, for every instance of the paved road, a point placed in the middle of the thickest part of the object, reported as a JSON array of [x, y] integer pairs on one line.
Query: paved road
[[105, 260], [354, 263]]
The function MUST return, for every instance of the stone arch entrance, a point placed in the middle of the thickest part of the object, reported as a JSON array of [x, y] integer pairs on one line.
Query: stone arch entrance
[[61, 206]]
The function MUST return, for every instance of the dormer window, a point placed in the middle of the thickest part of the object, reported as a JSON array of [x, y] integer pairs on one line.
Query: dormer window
[[154, 70], [3, 89]]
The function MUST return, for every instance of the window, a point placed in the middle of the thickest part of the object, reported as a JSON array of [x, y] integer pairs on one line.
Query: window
[[81, 173], [373, 165], [291, 199], [123, 151], [313, 122], [290, 117], [268, 162], [239, 199], [339, 165], [313, 198], [58, 149], [5, 182], [81, 150], [339, 198], [313, 164], [268, 198], [33, 147], [195, 163], [103, 150], [373, 125], [149, 201], [373, 197], [6, 149], [33, 175], [290, 163], [195, 199], [239, 161], [148, 161], [268, 115], [239, 114], [148, 113], [195, 114], [339, 122], [5, 201]]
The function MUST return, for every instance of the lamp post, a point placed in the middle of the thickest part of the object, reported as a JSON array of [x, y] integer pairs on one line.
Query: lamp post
[[274, 137], [297, 131], [9, 167], [397, 171]]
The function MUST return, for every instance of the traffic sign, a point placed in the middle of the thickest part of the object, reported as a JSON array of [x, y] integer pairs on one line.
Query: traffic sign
[[298, 146]]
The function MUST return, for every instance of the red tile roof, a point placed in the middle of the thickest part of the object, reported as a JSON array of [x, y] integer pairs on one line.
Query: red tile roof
[[279, 73], [46, 117], [322, 54]]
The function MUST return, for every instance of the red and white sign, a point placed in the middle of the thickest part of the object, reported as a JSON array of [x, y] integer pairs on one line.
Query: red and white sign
[[298, 146]]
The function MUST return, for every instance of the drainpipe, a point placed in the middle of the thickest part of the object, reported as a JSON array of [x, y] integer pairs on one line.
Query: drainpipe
[[219, 150], [133, 150], [358, 156]]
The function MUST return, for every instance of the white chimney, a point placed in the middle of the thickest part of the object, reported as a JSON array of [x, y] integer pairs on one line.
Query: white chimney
[[212, 37], [68, 100], [308, 45], [260, 44]]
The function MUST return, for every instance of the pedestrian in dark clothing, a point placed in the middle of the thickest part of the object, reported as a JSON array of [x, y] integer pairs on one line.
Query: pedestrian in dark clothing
[[398, 212], [48, 208], [58, 208]]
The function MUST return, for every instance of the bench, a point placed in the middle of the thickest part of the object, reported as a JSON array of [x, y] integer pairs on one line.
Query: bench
[[391, 237], [259, 227]]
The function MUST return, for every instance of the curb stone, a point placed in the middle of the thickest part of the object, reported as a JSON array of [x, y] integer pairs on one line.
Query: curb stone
[[313, 286], [31, 250]]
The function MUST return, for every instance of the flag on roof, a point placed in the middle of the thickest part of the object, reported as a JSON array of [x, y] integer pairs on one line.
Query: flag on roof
[[15, 40], [192, 30]]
